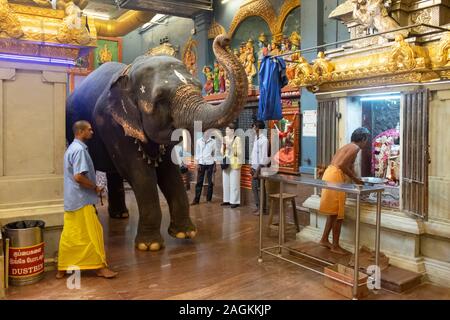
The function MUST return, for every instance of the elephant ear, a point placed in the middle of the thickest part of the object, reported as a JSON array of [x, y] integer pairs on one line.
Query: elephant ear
[[123, 109]]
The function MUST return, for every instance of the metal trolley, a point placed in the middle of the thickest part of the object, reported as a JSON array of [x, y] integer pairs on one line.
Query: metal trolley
[[347, 188]]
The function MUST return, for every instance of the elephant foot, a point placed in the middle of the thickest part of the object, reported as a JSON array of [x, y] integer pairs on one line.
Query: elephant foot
[[154, 246], [188, 234]]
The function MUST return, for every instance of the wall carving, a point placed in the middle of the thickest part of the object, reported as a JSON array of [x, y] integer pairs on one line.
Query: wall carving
[[72, 29], [402, 56], [416, 60], [9, 23], [401, 62], [364, 17], [42, 30], [189, 56], [322, 68], [421, 17], [442, 57]]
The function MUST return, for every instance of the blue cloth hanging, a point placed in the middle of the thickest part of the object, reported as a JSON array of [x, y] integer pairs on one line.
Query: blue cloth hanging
[[272, 77]]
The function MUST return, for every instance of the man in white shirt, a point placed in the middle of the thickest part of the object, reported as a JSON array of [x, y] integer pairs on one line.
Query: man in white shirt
[[259, 159], [205, 155]]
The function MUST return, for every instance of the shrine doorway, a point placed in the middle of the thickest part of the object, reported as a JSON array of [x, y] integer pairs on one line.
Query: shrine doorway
[[381, 115]]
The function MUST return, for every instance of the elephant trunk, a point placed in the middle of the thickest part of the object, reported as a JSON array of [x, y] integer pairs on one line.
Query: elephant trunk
[[192, 107]]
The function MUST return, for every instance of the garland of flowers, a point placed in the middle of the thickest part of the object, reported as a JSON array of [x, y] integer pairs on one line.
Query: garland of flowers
[[381, 149]]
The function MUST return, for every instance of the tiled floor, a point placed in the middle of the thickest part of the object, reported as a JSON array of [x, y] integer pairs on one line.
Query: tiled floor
[[221, 263]]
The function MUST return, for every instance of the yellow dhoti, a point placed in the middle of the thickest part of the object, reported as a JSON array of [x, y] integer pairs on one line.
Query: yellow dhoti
[[332, 202], [81, 243]]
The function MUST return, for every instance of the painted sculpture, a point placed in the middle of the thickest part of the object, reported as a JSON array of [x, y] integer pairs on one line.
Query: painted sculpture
[[134, 110], [242, 53], [262, 48], [222, 80], [294, 39], [9, 23], [373, 14], [216, 72], [72, 28], [209, 83], [190, 56], [249, 64]]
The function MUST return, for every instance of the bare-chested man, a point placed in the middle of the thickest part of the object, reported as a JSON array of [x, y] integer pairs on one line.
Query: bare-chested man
[[332, 202]]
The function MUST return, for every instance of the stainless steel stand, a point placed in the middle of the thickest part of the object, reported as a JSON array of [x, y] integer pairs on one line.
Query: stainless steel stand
[[347, 188]]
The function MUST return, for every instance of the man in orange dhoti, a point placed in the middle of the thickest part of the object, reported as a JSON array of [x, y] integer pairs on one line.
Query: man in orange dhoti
[[332, 202], [81, 244]]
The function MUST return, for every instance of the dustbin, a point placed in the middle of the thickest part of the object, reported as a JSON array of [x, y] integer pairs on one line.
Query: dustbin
[[26, 251]]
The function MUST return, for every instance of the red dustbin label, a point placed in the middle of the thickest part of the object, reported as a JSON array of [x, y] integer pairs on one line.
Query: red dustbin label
[[26, 261]]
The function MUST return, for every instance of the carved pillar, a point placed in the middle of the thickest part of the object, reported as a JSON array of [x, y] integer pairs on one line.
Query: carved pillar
[[202, 23], [32, 145]]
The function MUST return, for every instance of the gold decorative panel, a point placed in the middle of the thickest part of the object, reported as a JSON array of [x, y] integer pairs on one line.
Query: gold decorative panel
[[44, 32], [400, 62]]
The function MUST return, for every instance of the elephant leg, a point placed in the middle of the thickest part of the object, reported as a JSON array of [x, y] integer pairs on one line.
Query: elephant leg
[[144, 184], [171, 185], [130, 165], [116, 196]]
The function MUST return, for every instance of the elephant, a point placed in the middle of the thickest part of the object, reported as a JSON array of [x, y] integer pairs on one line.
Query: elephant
[[133, 110]]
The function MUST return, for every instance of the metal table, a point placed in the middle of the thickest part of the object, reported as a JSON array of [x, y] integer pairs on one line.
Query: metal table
[[344, 187]]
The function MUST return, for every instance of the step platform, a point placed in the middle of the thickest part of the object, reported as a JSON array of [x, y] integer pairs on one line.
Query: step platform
[[392, 278]]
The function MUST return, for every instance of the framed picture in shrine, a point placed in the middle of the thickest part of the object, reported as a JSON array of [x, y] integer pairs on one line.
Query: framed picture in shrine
[[288, 129], [108, 49]]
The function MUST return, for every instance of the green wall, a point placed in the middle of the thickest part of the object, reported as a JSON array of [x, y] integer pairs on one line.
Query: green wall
[[292, 22]]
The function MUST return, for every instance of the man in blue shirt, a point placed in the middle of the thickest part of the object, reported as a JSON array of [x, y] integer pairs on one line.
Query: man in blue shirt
[[81, 245]]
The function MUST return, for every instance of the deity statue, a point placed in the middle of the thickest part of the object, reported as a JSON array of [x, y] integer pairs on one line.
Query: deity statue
[[216, 77], [191, 62], [295, 41], [242, 53], [262, 45], [189, 58], [249, 65], [222, 81], [274, 48], [209, 84], [285, 45], [373, 14], [72, 28], [104, 55]]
